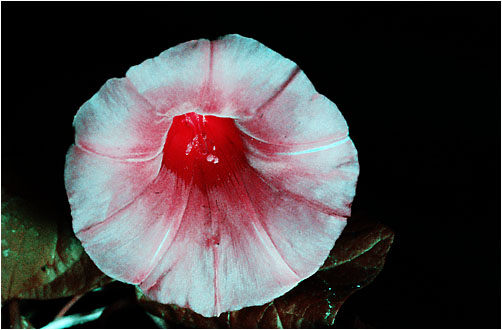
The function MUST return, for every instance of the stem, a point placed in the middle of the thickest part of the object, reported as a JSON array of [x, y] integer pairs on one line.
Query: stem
[[15, 317], [73, 320], [68, 305]]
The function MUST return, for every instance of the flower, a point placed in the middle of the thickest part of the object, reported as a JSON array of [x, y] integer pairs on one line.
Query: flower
[[213, 176]]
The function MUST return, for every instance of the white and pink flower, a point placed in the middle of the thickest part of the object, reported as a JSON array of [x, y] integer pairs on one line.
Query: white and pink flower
[[213, 176]]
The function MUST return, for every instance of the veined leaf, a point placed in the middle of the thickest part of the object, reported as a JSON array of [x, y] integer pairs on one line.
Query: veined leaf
[[41, 258]]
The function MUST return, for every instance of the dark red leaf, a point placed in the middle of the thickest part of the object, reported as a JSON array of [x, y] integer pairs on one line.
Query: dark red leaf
[[41, 258], [356, 260]]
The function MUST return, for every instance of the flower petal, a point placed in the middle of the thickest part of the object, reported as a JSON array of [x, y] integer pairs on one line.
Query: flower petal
[[184, 274], [138, 234], [244, 75], [299, 143], [297, 119], [324, 177], [244, 243], [98, 187], [174, 81], [271, 98], [278, 243], [119, 123]]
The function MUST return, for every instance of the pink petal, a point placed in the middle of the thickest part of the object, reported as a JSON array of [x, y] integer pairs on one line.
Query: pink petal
[[98, 187], [244, 75], [131, 240], [208, 212], [185, 273], [174, 82], [323, 176], [242, 243], [118, 122], [296, 119]]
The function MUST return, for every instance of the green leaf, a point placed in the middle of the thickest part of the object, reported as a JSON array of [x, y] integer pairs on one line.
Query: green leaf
[[355, 261], [41, 257]]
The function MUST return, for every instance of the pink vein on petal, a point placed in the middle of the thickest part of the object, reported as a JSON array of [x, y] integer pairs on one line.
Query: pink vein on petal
[[279, 91], [176, 230], [206, 91], [263, 227], [120, 159], [178, 223], [240, 183], [285, 148], [215, 253], [159, 279], [211, 60], [110, 216], [217, 306], [316, 206]]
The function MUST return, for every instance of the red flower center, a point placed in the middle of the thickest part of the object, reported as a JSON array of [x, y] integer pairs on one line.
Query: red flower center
[[206, 149]]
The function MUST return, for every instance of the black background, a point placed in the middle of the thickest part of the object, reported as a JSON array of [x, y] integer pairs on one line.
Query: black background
[[418, 83]]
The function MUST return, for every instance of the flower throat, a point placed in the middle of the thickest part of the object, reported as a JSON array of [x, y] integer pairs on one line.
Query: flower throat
[[205, 149]]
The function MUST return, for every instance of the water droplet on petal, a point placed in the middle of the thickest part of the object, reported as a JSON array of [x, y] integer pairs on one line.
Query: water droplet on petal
[[212, 159], [189, 148]]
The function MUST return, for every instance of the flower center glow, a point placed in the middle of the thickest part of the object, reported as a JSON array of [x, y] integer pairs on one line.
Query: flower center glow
[[205, 149]]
